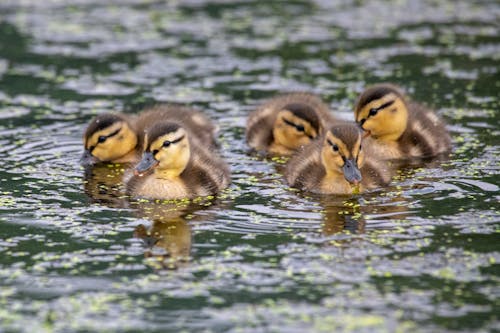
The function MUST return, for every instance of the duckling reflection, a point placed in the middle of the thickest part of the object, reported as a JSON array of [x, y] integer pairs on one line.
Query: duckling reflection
[[168, 242], [357, 215], [341, 216], [103, 184]]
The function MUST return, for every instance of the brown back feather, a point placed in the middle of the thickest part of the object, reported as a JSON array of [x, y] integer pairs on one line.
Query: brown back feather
[[102, 121], [349, 133], [377, 91], [305, 105], [203, 128], [305, 170], [422, 133]]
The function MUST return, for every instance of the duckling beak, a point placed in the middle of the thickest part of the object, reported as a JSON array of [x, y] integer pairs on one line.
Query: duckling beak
[[88, 159], [147, 163], [366, 133], [351, 172]]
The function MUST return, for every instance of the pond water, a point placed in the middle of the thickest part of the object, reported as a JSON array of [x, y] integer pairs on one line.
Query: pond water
[[420, 255]]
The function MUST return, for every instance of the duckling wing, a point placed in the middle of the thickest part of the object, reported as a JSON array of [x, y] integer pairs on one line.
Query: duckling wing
[[304, 170], [376, 174], [259, 130], [206, 172], [191, 119], [426, 134]]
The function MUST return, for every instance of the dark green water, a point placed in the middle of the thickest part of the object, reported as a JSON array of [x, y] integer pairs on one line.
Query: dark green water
[[421, 255]]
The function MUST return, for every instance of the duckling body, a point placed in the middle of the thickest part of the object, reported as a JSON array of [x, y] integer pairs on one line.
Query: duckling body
[[119, 138], [335, 164], [174, 166], [398, 128], [287, 122]]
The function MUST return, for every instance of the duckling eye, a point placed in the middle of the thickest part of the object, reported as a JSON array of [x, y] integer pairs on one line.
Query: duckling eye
[[335, 147], [101, 139], [167, 144], [373, 112], [300, 128]]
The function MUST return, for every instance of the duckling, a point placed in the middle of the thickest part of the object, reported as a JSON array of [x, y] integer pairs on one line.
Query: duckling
[[398, 128], [285, 123], [335, 164], [175, 166], [118, 138]]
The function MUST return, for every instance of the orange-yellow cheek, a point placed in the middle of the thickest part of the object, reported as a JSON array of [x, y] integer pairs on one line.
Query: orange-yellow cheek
[[303, 140], [100, 154], [369, 125], [106, 153], [361, 159], [336, 163]]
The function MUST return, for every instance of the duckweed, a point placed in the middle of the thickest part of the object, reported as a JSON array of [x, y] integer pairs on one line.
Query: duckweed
[[77, 254]]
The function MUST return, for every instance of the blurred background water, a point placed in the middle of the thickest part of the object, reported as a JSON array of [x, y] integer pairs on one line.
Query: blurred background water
[[420, 255]]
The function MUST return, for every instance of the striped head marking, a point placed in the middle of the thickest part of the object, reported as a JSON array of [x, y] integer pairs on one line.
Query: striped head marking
[[342, 153], [166, 149], [381, 111], [108, 137], [296, 125]]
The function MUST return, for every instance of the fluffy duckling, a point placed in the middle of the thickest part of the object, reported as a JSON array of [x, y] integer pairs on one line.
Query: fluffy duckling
[[335, 164], [175, 166], [399, 128], [287, 122], [118, 138]]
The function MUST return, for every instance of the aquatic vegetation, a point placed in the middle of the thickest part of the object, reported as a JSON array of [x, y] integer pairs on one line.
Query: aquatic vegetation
[[78, 255]]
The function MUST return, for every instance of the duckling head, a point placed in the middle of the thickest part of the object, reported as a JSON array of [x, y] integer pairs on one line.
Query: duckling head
[[296, 125], [107, 138], [382, 112], [166, 150], [341, 152]]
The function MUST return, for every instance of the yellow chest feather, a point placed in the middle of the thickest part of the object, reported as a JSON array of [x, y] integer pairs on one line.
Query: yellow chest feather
[[158, 188], [338, 185], [278, 149], [383, 150]]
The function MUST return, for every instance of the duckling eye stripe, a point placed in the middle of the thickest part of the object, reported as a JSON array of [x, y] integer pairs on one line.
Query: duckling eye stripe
[[383, 106], [298, 127], [177, 140], [288, 122], [109, 135]]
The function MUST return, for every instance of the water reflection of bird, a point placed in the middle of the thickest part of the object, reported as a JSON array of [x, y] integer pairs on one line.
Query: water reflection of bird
[[336, 164], [118, 138], [287, 122], [103, 184], [399, 128], [167, 240], [341, 215], [175, 165], [357, 214]]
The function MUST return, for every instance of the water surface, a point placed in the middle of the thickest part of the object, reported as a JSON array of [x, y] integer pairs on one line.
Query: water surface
[[420, 255]]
